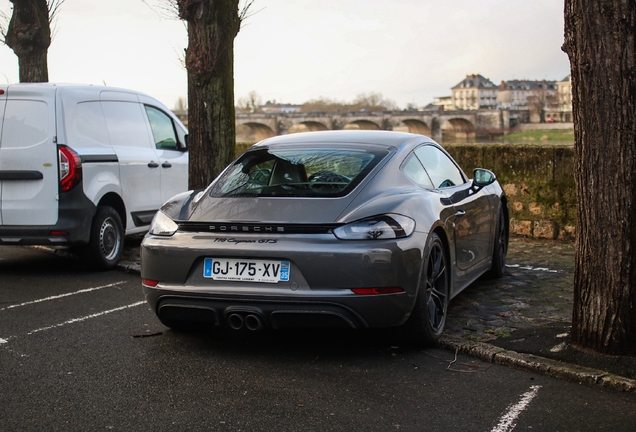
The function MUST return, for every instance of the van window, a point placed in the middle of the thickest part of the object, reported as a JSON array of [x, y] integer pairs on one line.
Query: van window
[[85, 124], [25, 124], [126, 124], [162, 129]]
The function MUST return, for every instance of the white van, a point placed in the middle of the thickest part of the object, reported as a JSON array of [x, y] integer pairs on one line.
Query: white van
[[85, 165]]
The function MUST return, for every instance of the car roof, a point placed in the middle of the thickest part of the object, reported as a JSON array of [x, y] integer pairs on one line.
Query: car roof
[[354, 137], [53, 87]]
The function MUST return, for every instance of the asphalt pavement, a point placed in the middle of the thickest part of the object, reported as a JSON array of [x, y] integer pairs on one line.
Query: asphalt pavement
[[522, 320]]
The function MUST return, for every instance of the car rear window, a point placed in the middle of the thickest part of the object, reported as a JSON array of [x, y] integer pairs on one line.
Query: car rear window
[[300, 172]]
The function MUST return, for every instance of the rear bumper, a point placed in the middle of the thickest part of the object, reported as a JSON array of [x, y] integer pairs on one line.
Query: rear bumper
[[345, 311], [318, 261], [75, 215], [323, 271]]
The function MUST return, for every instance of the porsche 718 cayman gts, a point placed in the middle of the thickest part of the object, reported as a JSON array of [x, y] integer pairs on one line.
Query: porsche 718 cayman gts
[[352, 229]]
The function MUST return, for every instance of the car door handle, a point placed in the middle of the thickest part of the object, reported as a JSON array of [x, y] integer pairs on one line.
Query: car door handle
[[166, 164], [152, 164]]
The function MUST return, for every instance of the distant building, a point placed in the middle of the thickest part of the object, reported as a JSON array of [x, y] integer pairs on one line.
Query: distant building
[[536, 96], [519, 94], [565, 99], [565, 93], [474, 92], [279, 108], [444, 102]]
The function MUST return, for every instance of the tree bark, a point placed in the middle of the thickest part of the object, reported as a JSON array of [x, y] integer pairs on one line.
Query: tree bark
[[29, 36], [600, 41], [212, 27]]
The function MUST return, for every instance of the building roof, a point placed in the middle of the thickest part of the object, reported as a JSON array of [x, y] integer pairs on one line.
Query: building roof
[[527, 85], [475, 81]]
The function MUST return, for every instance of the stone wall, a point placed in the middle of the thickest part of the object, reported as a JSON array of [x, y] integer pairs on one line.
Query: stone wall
[[538, 181]]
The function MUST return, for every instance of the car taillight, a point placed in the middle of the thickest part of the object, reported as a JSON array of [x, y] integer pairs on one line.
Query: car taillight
[[70, 168], [150, 282]]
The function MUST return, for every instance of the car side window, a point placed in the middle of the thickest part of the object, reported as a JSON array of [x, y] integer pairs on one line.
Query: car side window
[[440, 168], [162, 129], [414, 170]]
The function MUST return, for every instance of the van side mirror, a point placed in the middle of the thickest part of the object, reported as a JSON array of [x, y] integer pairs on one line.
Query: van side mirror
[[185, 143], [483, 177]]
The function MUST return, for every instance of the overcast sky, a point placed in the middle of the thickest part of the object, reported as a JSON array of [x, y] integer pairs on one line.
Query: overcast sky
[[291, 51]]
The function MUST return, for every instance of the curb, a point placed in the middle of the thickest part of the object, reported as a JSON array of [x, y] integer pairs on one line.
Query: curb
[[537, 364]]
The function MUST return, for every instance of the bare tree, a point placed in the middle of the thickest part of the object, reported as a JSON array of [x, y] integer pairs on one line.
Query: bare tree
[[28, 34], [364, 101], [372, 102], [539, 101], [250, 103], [181, 105], [212, 27], [323, 105], [600, 40]]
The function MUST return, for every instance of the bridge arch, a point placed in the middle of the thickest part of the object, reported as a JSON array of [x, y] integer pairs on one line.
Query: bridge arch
[[417, 127], [362, 125], [253, 132], [307, 126], [458, 129]]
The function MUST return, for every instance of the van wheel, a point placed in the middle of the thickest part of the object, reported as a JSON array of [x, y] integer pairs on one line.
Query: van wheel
[[107, 239]]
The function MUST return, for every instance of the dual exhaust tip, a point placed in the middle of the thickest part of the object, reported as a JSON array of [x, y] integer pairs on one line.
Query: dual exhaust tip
[[250, 321]]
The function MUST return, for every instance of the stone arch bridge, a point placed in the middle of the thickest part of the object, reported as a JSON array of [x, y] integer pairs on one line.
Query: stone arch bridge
[[459, 125]]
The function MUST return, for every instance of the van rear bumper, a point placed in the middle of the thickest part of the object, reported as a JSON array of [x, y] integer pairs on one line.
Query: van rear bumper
[[75, 216]]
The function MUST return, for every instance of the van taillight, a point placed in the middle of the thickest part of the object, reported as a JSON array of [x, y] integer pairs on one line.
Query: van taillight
[[70, 168]]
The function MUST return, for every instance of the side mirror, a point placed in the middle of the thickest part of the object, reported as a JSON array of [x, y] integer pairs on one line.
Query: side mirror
[[483, 177], [185, 143]]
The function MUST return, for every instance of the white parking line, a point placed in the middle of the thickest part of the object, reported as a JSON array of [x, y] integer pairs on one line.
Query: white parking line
[[508, 421], [62, 295], [95, 315]]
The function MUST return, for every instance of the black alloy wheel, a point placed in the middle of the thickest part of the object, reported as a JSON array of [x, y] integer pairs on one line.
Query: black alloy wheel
[[500, 248], [436, 281], [426, 323]]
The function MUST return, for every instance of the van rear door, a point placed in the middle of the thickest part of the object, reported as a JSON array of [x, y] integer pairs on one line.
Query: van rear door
[[3, 103], [28, 157]]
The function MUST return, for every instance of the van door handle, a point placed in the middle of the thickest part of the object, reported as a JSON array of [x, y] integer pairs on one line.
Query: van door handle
[[152, 164], [166, 164]]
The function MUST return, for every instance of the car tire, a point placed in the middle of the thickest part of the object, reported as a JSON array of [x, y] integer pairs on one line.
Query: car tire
[[500, 248], [106, 240], [426, 323]]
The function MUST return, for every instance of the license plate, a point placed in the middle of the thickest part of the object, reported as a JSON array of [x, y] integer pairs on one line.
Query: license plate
[[246, 270]]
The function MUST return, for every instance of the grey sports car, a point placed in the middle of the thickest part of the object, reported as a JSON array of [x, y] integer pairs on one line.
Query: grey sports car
[[353, 229]]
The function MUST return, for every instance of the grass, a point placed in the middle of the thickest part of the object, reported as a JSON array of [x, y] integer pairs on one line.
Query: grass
[[540, 136]]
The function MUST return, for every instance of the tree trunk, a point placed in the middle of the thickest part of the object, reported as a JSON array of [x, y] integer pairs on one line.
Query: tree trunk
[[600, 41], [212, 27], [29, 36]]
